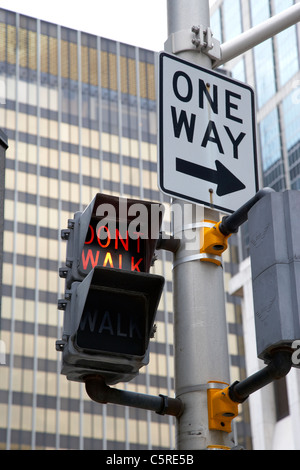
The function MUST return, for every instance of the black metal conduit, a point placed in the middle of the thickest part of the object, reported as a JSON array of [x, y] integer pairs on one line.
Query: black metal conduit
[[167, 243], [230, 224], [279, 367], [99, 392]]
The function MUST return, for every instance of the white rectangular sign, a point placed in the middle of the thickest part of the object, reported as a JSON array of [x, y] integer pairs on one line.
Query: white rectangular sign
[[206, 136]]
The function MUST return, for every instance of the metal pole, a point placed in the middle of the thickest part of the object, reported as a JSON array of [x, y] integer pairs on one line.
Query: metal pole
[[258, 34], [200, 330]]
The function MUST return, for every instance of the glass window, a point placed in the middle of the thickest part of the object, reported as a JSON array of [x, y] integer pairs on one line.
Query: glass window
[[260, 11], [89, 106], [270, 139], [287, 54], [291, 117], [238, 71], [69, 104], [128, 89], [215, 24], [286, 46], [265, 72], [280, 5], [232, 18], [263, 55]]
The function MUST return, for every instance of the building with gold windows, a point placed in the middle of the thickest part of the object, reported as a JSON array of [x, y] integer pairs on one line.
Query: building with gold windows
[[79, 113]]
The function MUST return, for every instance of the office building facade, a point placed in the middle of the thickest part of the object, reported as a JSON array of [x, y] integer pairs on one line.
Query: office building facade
[[79, 113], [272, 68]]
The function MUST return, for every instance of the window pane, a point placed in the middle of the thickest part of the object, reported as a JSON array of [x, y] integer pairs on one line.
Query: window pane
[[215, 23], [232, 18], [263, 55], [270, 139], [291, 117], [287, 46]]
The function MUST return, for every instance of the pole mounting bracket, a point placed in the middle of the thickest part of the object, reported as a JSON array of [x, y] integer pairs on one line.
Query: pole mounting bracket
[[221, 409], [198, 38], [214, 242]]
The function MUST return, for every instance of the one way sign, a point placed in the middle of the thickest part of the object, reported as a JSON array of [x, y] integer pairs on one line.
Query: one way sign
[[207, 138]]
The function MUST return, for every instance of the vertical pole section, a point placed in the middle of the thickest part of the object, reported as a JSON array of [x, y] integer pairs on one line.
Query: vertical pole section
[[201, 351]]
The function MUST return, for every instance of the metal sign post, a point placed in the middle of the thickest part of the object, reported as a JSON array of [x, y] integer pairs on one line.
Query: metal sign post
[[201, 351]]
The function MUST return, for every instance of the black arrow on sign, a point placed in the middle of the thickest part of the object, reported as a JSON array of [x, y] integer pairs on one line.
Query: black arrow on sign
[[226, 182]]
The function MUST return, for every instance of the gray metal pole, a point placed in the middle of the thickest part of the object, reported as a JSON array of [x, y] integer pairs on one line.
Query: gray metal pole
[[258, 34], [201, 350]]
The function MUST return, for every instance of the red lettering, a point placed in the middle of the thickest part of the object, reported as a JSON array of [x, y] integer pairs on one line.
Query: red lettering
[[92, 236], [89, 257], [124, 243], [99, 236], [138, 240], [134, 266]]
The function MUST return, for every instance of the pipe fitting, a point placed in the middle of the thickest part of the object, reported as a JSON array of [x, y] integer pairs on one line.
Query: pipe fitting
[[221, 409], [100, 392], [279, 367], [214, 242], [231, 223]]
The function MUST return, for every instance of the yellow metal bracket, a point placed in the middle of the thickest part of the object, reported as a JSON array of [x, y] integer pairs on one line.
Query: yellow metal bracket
[[221, 409], [214, 242], [218, 447]]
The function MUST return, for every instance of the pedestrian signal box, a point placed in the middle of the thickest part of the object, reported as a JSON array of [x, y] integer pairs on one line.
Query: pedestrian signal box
[[274, 241], [111, 298]]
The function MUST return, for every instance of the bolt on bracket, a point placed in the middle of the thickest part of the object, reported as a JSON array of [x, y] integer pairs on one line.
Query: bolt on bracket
[[198, 38]]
